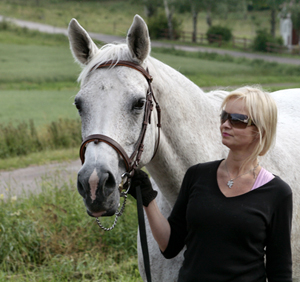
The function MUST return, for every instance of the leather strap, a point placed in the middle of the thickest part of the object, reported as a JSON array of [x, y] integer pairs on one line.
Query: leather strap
[[143, 234], [103, 138], [125, 64]]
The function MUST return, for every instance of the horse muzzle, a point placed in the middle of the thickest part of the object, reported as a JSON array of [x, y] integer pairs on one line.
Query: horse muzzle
[[99, 190]]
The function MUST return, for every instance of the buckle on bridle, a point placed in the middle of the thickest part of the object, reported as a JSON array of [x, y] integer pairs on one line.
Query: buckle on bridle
[[125, 184]]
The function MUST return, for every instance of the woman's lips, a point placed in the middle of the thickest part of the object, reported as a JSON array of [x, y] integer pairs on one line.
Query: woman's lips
[[225, 134]]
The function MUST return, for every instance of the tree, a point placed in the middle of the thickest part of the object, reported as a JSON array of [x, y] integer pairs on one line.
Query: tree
[[274, 6], [210, 7], [169, 9], [151, 7]]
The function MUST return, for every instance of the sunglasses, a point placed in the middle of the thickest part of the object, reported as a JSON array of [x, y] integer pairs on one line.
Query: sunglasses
[[236, 120]]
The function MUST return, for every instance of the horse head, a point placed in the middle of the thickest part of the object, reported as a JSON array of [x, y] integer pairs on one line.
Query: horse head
[[111, 103]]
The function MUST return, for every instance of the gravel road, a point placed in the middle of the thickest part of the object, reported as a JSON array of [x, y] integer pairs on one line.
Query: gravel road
[[21, 181]]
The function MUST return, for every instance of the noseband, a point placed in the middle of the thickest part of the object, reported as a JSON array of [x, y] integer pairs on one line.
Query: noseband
[[133, 161]]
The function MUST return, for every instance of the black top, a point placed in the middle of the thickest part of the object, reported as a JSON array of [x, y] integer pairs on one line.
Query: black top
[[227, 238]]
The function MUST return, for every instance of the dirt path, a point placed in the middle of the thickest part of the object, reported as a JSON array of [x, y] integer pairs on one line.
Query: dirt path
[[21, 181]]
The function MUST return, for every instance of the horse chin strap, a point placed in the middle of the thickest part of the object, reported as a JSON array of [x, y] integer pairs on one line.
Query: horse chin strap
[[133, 161]]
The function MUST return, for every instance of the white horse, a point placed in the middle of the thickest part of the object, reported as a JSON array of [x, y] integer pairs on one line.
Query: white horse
[[111, 102]]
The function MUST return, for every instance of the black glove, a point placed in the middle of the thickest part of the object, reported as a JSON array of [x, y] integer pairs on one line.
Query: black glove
[[140, 178]]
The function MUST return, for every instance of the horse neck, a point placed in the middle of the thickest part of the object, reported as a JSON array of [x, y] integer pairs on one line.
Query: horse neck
[[189, 128]]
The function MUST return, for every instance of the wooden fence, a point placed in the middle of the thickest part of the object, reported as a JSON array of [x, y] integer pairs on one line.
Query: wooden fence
[[235, 42]]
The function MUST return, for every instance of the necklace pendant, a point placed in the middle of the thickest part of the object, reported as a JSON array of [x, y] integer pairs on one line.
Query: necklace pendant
[[230, 183]]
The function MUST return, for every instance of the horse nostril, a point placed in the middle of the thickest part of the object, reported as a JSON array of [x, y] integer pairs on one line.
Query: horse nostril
[[80, 189], [110, 183]]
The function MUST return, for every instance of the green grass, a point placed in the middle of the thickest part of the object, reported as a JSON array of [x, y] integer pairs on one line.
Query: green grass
[[49, 237], [115, 17], [41, 106], [40, 158], [37, 64], [108, 17], [223, 71]]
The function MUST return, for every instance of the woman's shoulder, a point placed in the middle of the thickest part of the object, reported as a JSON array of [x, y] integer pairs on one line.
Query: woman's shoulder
[[282, 188]]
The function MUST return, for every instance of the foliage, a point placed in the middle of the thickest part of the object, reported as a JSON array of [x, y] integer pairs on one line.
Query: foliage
[[151, 7], [274, 6], [158, 26], [49, 237], [263, 38], [23, 138], [218, 31]]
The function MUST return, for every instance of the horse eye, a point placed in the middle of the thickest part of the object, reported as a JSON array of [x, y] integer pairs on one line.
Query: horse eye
[[139, 104], [77, 105]]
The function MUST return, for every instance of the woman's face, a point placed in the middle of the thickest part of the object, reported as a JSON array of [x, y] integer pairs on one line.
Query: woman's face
[[238, 139]]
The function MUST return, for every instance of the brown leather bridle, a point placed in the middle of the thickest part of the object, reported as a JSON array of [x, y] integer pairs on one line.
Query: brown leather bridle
[[133, 161]]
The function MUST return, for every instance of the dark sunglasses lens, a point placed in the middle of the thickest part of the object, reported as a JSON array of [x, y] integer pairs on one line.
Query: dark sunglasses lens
[[224, 117], [237, 123], [234, 119]]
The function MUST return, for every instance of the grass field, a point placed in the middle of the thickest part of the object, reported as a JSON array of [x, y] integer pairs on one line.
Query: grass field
[[42, 106], [114, 17], [49, 237]]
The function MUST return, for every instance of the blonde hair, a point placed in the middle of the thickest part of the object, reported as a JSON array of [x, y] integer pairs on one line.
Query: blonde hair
[[262, 110]]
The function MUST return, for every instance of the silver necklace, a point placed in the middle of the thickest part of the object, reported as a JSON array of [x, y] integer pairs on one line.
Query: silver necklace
[[230, 182]]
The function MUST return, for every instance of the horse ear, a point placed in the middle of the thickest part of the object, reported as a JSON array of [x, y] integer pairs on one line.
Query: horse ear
[[82, 46], [138, 39]]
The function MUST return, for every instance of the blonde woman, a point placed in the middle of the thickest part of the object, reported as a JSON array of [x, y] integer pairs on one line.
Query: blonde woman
[[233, 215]]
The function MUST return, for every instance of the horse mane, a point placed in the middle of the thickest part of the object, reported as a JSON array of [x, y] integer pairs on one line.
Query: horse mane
[[116, 52]]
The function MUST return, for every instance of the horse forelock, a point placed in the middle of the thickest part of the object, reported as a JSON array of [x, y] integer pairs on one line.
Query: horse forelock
[[115, 52]]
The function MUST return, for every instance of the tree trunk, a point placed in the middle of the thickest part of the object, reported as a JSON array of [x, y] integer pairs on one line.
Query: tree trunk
[[273, 22], [195, 17], [169, 17], [208, 17], [150, 9]]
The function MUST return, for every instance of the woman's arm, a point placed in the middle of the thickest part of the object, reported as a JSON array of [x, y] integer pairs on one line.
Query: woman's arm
[[160, 226]]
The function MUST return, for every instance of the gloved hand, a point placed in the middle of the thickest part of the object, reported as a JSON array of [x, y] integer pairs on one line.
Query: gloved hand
[[140, 178]]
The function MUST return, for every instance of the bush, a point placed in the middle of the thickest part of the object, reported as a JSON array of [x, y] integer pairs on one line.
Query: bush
[[64, 134], [158, 26], [23, 138], [262, 38], [214, 32]]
